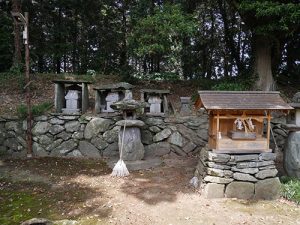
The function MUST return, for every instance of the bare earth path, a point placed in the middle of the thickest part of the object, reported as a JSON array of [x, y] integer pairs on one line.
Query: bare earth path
[[83, 190]]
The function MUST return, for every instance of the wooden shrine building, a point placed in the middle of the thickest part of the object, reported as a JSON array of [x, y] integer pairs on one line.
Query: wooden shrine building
[[239, 121]]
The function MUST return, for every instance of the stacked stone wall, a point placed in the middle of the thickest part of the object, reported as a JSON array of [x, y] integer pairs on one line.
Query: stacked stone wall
[[61, 135], [246, 176]]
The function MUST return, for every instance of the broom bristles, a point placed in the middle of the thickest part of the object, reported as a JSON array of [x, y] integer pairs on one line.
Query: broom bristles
[[120, 169]]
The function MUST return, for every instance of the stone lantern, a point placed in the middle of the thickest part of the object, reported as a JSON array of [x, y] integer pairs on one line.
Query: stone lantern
[[133, 149]]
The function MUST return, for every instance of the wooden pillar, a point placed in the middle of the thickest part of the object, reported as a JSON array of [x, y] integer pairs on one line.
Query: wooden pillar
[[59, 101], [268, 130], [85, 97], [97, 102], [218, 130]]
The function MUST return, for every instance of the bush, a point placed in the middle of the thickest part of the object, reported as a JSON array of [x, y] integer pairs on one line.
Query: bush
[[36, 110], [290, 189]]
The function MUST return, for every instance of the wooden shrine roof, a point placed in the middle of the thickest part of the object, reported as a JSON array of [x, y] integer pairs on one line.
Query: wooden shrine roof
[[241, 100]]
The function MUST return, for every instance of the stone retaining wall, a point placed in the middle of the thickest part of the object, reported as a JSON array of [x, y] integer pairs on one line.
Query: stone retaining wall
[[247, 176], [93, 136]]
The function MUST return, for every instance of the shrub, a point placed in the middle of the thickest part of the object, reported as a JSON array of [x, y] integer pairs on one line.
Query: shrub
[[36, 110], [290, 189]]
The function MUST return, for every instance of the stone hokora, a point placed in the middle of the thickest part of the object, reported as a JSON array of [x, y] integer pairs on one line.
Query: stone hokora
[[111, 98], [155, 104]]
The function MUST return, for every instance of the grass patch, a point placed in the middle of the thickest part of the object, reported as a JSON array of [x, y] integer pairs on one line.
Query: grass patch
[[19, 206], [290, 189], [36, 110]]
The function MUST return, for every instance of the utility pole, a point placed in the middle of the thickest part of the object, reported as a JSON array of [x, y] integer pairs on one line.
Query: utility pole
[[20, 19]]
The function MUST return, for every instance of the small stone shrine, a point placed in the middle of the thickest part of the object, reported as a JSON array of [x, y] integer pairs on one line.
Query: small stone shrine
[[157, 100], [106, 95], [71, 96], [291, 150], [185, 106], [133, 149], [238, 161]]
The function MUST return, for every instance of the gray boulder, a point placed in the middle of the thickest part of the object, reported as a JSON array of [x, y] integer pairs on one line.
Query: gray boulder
[[111, 136], [162, 135], [151, 121], [72, 126], [88, 150], [99, 142], [268, 189], [95, 126], [38, 150], [112, 150], [157, 149], [64, 148], [147, 137], [176, 139], [218, 180], [41, 128], [55, 129], [292, 155]]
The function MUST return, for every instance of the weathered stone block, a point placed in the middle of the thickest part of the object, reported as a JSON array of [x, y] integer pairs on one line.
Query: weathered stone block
[[147, 137], [218, 166], [292, 155], [268, 156], [268, 189], [239, 158], [41, 128], [213, 190], [241, 190], [162, 135], [243, 165], [219, 172], [176, 139], [88, 150], [64, 148], [55, 129], [266, 173], [244, 177], [219, 158], [218, 180], [246, 170], [157, 149], [95, 126], [99, 142], [152, 121], [64, 135], [111, 136], [190, 146], [38, 150], [72, 126]]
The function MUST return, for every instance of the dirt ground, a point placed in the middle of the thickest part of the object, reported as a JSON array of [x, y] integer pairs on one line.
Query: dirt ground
[[84, 191]]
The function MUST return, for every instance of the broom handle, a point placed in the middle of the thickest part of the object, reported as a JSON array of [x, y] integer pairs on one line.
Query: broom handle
[[122, 144]]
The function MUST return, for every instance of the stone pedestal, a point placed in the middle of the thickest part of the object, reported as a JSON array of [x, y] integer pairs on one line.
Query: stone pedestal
[[185, 106], [133, 149], [243, 176]]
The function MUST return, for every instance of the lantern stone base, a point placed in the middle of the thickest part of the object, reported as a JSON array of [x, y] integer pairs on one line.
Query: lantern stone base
[[243, 176]]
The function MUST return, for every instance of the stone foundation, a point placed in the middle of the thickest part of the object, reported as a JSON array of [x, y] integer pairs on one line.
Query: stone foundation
[[244, 176]]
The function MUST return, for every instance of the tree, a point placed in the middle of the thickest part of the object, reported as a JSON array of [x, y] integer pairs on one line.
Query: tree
[[16, 7], [157, 38], [270, 22]]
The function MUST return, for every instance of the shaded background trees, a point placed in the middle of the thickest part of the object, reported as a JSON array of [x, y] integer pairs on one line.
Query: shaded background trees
[[186, 39]]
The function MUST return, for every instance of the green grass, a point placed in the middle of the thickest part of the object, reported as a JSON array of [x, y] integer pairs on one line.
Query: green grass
[[18, 206], [291, 189], [36, 110]]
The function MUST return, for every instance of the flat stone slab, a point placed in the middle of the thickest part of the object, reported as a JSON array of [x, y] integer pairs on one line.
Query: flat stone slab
[[218, 180], [131, 123], [241, 190], [213, 190], [139, 164], [120, 85]]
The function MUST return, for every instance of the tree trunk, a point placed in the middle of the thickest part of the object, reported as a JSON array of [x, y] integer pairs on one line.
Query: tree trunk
[[16, 7], [262, 63]]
